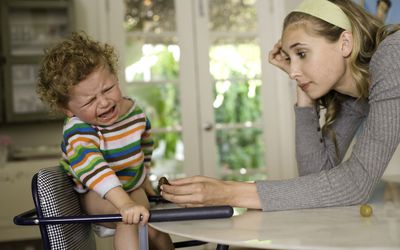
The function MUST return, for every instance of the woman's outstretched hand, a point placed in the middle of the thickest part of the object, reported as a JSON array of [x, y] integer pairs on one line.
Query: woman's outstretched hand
[[276, 57], [200, 191], [196, 191]]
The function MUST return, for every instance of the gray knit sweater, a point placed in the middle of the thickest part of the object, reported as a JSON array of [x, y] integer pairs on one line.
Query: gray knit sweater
[[325, 179]]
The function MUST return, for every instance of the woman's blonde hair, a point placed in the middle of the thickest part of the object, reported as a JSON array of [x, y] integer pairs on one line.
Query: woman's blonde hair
[[368, 31], [68, 63]]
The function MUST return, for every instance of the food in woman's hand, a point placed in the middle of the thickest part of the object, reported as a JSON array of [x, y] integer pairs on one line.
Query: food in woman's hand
[[365, 210], [163, 180]]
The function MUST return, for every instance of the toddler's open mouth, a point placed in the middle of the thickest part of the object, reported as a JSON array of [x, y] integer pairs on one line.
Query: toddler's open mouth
[[108, 114]]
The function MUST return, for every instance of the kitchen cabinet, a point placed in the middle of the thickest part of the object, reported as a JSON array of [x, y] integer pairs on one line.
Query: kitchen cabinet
[[28, 28]]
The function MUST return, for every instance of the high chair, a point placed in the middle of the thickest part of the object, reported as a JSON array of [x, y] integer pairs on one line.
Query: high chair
[[64, 226]]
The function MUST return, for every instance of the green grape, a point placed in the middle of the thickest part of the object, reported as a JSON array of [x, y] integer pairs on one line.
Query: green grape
[[365, 210]]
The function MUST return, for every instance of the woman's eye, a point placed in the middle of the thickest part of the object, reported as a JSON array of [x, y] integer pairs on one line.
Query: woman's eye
[[301, 54]]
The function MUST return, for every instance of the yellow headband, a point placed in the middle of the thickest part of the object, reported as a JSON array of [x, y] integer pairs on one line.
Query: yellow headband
[[327, 11]]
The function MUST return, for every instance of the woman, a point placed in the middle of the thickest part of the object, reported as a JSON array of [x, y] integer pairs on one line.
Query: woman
[[331, 49]]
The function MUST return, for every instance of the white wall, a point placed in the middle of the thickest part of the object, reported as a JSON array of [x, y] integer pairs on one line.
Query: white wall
[[91, 17]]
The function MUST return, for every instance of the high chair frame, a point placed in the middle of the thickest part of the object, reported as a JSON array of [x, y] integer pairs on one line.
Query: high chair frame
[[64, 225]]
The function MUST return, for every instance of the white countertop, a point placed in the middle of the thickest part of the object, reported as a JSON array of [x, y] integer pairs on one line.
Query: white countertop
[[323, 228]]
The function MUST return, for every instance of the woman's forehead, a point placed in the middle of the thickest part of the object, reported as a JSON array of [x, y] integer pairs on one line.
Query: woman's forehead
[[301, 25], [302, 29]]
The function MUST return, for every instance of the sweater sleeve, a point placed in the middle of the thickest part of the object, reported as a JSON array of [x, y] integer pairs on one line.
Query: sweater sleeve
[[85, 159], [315, 151], [352, 181]]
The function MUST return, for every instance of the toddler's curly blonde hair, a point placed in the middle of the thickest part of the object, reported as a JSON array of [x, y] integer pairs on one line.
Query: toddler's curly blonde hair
[[68, 63]]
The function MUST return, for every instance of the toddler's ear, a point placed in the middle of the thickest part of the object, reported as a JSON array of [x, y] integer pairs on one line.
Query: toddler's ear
[[347, 43], [67, 112]]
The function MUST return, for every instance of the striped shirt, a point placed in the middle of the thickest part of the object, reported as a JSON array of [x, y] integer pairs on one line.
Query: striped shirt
[[100, 158]]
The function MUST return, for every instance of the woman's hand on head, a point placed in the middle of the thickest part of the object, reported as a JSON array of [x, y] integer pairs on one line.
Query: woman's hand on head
[[197, 191], [277, 58], [303, 100]]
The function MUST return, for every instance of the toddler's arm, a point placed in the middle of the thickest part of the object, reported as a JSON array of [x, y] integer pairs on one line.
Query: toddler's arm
[[131, 212]]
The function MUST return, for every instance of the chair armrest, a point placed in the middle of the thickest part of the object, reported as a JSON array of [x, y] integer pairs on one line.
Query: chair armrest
[[26, 218]]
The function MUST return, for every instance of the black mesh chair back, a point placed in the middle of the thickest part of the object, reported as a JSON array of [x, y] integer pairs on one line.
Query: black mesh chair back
[[54, 197]]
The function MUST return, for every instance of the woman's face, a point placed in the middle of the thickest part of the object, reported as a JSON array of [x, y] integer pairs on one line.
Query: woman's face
[[316, 64]]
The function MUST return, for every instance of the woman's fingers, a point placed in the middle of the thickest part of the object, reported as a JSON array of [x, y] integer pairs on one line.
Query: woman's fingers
[[276, 51], [187, 200], [273, 54], [189, 180], [200, 191], [185, 189], [192, 193], [278, 58]]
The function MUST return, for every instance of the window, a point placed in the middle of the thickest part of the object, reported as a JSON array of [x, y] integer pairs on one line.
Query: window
[[198, 68]]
